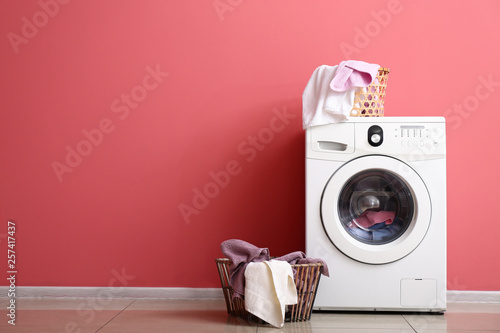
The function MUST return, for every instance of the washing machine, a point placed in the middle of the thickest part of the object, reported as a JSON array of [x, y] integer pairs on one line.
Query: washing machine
[[376, 213]]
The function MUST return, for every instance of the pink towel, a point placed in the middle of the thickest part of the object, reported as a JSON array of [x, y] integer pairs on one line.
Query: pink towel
[[369, 218], [354, 73]]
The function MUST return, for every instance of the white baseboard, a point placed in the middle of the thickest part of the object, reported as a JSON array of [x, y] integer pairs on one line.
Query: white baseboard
[[454, 296], [466, 296], [117, 292]]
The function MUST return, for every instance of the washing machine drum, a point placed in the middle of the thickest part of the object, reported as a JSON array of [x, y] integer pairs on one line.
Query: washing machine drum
[[376, 209]]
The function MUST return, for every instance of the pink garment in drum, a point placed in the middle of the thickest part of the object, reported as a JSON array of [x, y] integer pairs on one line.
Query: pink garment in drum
[[369, 218]]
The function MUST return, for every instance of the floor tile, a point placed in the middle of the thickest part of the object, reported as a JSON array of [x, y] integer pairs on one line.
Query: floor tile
[[455, 321], [307, 327], [83, 318], [177, 320], [161, 304], [355, 320], [49, 329], [292, 329], [184, 329], [60, 303]]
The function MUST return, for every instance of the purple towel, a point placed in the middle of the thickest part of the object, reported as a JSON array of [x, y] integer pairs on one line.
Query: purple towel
[[299, 258], [241, 253]]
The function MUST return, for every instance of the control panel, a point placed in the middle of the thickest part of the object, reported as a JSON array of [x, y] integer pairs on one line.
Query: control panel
[[420, 140], [406, 139], [412, 135]]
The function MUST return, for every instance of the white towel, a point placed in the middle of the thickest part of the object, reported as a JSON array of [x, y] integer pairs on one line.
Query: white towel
[[269, 286], [322, 105]]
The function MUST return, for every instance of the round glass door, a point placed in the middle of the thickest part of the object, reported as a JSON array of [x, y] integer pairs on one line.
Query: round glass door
[[375, 209], [375, 206]]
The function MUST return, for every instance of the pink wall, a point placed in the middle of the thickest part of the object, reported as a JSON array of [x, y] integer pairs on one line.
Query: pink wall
[[163, 99]]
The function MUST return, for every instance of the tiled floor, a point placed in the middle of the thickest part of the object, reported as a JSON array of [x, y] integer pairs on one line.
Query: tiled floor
[[82, 315]]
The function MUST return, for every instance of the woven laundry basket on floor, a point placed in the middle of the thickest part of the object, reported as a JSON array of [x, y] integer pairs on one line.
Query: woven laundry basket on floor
[[369, 101], [306, 277]]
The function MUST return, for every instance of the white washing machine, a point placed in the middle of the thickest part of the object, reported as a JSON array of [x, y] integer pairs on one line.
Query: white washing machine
[[376, 213]]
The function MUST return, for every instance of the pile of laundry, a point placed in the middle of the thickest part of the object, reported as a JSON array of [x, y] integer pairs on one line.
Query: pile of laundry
[[375, 225], [267, 285], [329, 94]]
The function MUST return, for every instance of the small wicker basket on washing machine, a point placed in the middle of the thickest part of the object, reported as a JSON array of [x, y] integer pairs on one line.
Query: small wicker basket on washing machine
[[369, 101]]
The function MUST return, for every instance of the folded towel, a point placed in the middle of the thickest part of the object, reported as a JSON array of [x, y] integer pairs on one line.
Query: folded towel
[[269, 288], [353, 73], [241, 253], [320, 104]]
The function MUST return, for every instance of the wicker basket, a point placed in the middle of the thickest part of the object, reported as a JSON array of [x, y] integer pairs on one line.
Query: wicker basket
[[369, 101], [307, 278]]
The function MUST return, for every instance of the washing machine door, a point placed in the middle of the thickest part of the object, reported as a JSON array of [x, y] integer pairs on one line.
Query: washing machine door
[[376, 209]]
